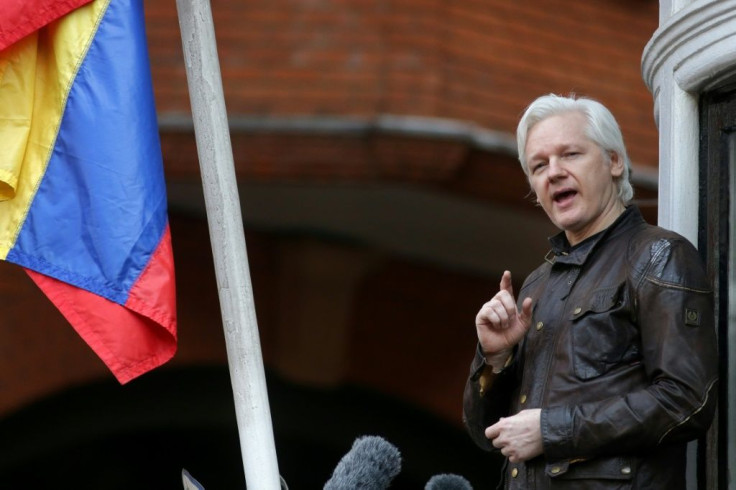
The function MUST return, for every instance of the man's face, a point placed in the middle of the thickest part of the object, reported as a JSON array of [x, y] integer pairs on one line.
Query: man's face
[[571, 176]]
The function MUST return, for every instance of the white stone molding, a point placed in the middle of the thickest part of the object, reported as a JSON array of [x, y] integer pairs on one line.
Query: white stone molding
[[694, 50]]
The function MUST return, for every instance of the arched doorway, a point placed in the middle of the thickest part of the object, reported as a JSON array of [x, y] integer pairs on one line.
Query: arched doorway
[[104, 436]]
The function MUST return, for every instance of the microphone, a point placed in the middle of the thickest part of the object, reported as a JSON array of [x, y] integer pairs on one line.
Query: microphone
[[448, 481], [189, 482], [370, 464]]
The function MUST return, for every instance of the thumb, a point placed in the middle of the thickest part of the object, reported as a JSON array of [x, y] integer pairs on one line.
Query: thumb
[[525, 315]]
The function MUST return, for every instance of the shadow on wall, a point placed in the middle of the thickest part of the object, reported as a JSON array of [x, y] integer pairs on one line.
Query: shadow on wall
[[141, 435]]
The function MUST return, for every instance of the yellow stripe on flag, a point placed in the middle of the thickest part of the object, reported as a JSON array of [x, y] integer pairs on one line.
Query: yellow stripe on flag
[[36, 74]]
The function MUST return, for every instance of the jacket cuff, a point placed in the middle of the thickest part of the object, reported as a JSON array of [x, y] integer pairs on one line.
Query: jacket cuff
[[557, 433], [478, 364]]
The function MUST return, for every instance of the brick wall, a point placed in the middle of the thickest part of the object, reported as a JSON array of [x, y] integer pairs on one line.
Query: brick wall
[[478, 61]]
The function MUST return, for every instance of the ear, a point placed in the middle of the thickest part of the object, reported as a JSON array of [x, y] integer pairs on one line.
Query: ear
[[616, 164]]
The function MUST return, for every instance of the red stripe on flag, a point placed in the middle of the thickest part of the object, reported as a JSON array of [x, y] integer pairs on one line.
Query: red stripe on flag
[[154, 293], [131, 339], [22, 17]]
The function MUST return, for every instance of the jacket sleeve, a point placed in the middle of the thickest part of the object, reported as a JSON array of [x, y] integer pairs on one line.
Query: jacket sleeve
[[675, 313], [486, 399]]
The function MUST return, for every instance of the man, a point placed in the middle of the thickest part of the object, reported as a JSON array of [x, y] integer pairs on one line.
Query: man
[[607, 365]]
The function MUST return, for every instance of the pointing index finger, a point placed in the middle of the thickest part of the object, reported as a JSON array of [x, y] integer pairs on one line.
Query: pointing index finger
[[506, 283]]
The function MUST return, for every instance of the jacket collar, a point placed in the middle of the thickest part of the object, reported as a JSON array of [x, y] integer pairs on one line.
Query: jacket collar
[[562, 252]]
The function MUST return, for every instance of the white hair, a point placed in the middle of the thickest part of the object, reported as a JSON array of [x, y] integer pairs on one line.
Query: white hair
[[602, 129]]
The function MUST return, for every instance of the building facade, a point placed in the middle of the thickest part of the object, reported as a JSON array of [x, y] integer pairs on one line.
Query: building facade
[[381, 197]]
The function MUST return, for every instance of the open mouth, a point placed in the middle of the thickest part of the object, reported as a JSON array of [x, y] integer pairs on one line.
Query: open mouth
[[563, 196]]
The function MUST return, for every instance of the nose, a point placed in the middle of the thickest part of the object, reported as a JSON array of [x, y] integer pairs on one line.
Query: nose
[[556, 169]]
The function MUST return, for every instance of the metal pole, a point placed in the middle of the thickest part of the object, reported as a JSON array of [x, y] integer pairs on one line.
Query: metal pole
[[228, 245]]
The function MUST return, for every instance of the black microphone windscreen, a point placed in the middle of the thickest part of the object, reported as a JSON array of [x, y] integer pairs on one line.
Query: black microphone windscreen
[[370, 464], [448, 481]]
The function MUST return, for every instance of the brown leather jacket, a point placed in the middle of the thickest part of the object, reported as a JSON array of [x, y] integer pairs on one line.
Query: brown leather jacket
[[621, 357]]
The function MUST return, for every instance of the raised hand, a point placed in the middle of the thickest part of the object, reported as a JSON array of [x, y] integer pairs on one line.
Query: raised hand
[[500, 325]]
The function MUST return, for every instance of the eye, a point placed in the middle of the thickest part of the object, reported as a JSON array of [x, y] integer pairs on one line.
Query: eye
[[537, 166], [571, 154]]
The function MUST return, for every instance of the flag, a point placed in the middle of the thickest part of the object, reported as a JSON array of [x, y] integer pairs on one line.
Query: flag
[[22, 17], [82, 193]]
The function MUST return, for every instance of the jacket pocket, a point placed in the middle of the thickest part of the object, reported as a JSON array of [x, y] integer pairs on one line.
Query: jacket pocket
[[595, 474], [603, 336]]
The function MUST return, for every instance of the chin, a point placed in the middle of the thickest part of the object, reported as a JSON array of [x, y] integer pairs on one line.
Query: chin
[[569, 220], [563, 223]]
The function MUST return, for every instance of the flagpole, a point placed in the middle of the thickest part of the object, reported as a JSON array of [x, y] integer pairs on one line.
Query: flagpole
[[245, 360]]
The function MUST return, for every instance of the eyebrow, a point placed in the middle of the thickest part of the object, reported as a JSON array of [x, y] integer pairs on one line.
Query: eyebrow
[[557, 148]]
